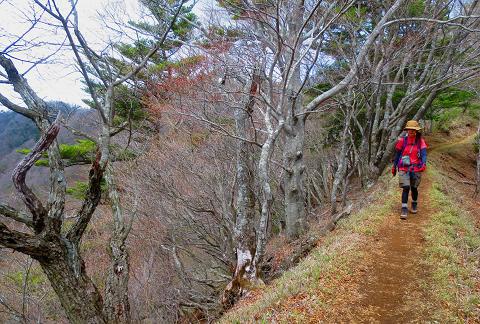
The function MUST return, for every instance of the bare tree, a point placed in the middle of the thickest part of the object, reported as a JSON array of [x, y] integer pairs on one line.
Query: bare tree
[[415, 59], [294, 47], [185, 187], [57, 252]]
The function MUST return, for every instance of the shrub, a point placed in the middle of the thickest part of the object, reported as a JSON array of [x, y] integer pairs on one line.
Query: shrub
[[80, 188]]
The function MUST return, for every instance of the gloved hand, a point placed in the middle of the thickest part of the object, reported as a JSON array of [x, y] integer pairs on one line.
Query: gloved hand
[[394, 170], [421, 167]]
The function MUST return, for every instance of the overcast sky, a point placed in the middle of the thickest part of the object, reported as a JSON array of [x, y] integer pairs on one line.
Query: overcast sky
[[59, 80], [56, 81]]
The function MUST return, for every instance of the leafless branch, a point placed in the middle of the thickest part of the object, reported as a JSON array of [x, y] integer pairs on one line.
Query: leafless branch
[[90, 202], [449, 22], [16, 108], [14, 214], [218, 128], [34, 204]]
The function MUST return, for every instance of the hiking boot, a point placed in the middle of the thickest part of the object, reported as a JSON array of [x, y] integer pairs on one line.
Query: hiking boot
[[414, 207], [404, 213]]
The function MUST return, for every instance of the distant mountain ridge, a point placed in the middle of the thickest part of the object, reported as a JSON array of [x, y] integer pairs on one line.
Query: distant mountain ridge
[[15, 130]]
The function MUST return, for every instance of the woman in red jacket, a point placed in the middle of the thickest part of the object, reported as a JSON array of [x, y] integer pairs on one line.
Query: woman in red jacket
[[411, 160]]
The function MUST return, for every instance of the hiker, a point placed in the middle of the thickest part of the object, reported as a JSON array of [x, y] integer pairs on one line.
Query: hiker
[[410, 159]]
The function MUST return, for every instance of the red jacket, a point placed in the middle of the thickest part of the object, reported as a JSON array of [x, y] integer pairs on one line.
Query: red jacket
[[417, 159]]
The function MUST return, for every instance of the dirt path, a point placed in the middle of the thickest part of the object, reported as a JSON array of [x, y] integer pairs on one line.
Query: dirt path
[[374, 271], [390, 288]]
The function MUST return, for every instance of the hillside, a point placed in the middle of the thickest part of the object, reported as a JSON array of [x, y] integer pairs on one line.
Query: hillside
[[17, 132], [233, 163], [371, 268], [14, 131], [376, 268]]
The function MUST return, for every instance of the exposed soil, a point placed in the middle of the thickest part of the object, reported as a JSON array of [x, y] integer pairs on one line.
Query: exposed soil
[[392, 282]]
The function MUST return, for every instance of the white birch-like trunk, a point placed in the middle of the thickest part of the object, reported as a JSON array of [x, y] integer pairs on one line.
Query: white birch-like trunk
[[245, 273], [266, 191], [266, 199]]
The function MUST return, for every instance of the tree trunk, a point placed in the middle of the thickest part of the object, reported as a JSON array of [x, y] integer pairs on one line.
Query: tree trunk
[[388, 153], [340, 174], [244, 231], [58, 255], [294, 179], [266, 192], [116, 306], [266, 200], [77, 293], [293, 161]]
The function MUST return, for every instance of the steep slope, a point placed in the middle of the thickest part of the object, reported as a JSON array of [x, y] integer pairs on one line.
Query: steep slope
[[377, 268]]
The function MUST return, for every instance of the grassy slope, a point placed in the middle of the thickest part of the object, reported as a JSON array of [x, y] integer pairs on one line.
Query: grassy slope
[[451, 252], [325, 265]]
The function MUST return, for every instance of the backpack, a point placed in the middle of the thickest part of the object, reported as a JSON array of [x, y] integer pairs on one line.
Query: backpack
[[404, 146]]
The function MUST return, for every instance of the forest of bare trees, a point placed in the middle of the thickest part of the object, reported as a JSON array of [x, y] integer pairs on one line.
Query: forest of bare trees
[[215, 136]]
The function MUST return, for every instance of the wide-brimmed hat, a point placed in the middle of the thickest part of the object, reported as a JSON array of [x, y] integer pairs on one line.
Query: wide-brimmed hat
[[413, 124]]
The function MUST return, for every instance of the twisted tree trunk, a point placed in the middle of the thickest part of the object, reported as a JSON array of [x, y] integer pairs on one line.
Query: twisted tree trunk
[[58, 254]]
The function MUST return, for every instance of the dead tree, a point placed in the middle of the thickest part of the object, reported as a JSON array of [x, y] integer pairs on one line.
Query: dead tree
[[57, 252]]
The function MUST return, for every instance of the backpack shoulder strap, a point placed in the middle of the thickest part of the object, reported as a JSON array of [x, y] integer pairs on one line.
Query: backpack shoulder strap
[[404, 145], [419, 146]]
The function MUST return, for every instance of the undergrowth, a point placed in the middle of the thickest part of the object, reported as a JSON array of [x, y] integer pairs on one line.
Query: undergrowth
[[452, 108], [453, 245]]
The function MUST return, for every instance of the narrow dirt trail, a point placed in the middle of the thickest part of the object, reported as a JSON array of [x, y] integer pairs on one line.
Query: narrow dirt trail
[[391, 286], [373, 270]]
